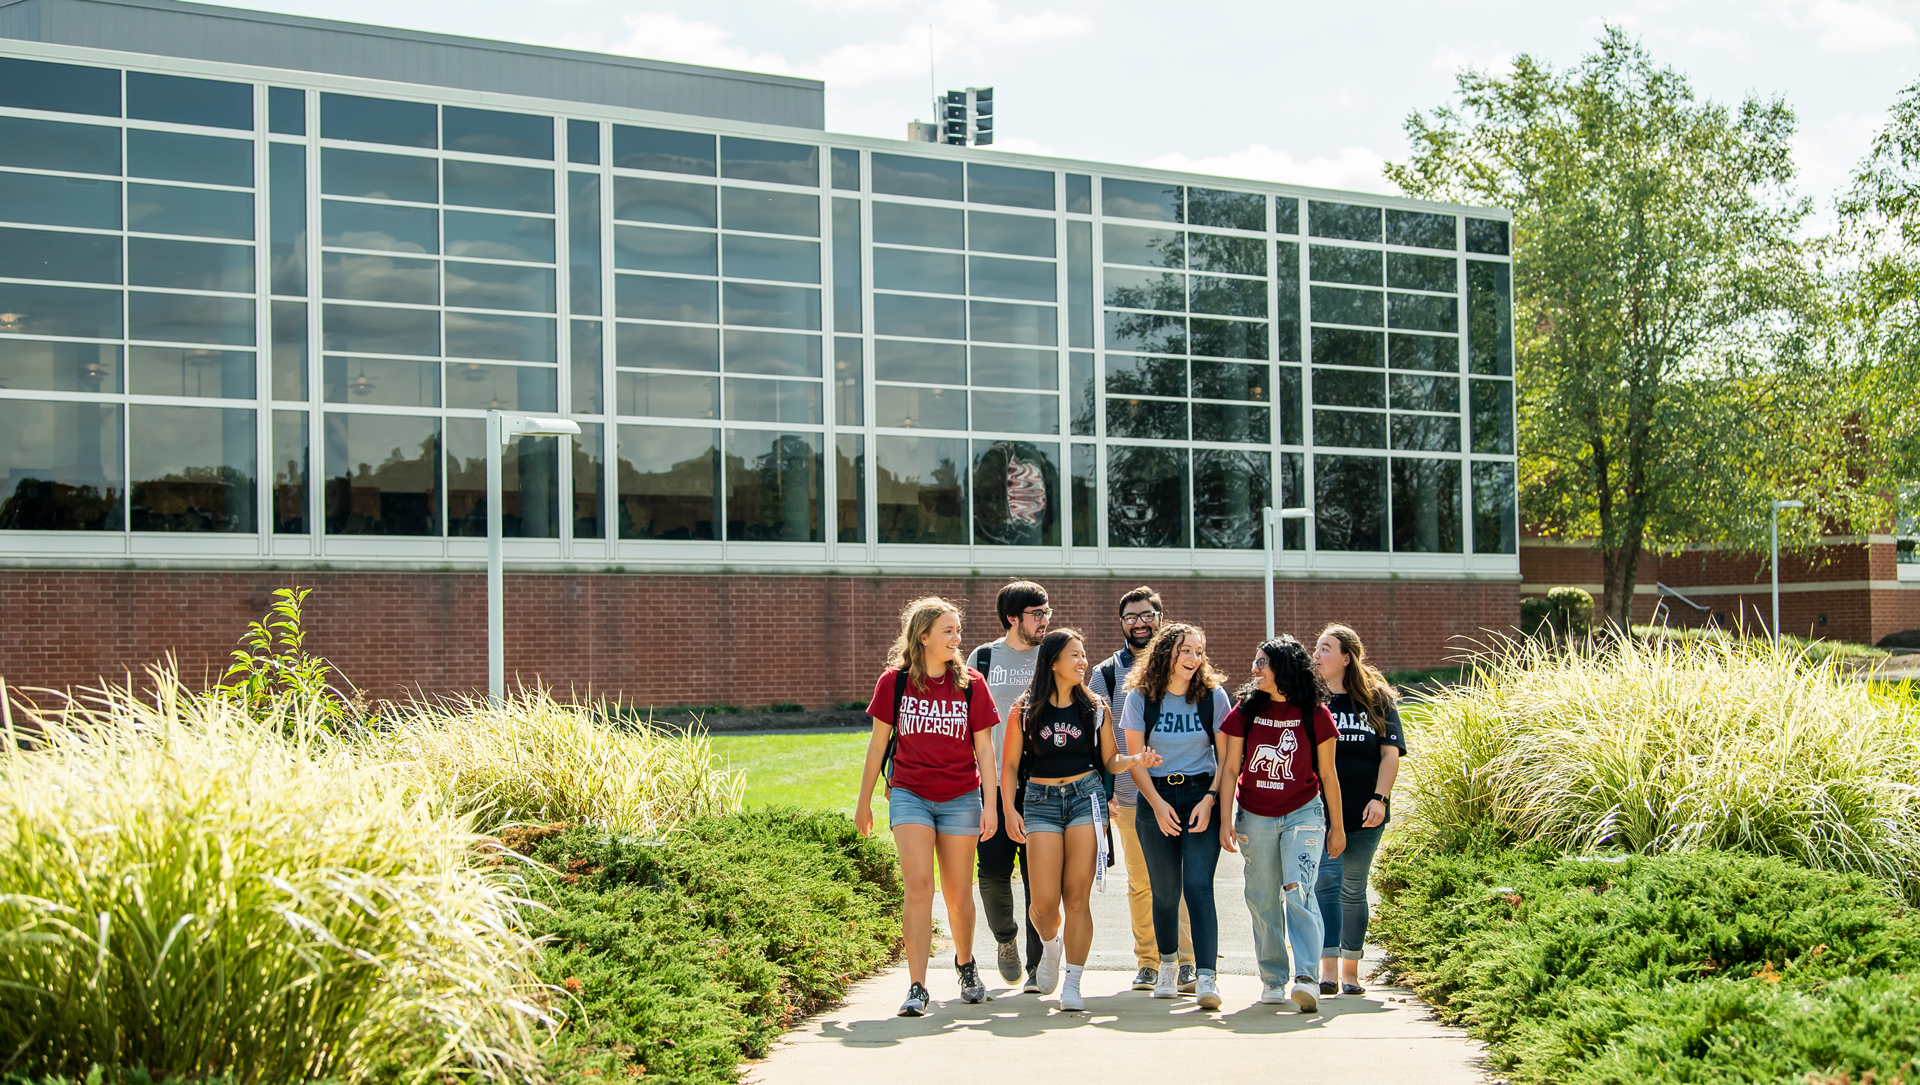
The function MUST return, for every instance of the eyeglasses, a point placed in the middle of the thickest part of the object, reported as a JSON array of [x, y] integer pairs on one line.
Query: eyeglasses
[[1151, 617], [1038, 612]]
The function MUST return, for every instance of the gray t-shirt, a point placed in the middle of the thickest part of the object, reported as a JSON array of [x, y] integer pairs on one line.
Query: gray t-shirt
[[1181, 739], [1009, 673], [1124, 792]]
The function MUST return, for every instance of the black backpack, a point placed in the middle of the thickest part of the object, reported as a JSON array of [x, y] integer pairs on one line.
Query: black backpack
[[893, 736]]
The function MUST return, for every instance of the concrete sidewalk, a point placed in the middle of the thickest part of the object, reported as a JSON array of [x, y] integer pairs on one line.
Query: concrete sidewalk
[[1383, 1036]]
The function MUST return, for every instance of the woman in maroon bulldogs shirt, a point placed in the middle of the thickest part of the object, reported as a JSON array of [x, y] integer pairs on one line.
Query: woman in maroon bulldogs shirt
[[931, 714]]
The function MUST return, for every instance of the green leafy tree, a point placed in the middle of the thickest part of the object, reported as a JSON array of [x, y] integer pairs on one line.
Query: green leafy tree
[[1671, 380], [273, 674]]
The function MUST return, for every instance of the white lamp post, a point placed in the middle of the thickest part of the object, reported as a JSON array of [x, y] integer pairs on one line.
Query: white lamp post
[[1270, 518], [1777, 506], [501, 428]]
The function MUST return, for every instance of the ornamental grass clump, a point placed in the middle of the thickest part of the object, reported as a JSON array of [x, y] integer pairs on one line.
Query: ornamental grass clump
[[531, 759], [1673, 747], [197, 893]]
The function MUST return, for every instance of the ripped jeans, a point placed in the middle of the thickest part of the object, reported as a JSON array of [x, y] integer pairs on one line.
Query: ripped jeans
[[1283, 852]]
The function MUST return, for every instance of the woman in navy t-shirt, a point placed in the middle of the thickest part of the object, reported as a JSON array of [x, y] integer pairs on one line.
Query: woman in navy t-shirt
[[935, 713]]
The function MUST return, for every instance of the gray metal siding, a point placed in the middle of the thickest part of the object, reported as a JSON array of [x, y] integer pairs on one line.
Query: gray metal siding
[[200, 32]]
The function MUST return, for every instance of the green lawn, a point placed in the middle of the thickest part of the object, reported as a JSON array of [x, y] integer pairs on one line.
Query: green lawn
[[813, 772]]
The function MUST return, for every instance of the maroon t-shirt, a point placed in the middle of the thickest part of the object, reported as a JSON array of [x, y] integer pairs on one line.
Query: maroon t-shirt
[[1278, 774], [934, 757]]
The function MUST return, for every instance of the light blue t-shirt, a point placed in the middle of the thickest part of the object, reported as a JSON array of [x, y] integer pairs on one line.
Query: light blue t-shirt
[[1180, 739]]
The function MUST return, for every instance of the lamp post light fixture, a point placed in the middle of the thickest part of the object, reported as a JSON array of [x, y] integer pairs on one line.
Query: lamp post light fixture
[[1777, 506], [501, 428], [1271, 518]]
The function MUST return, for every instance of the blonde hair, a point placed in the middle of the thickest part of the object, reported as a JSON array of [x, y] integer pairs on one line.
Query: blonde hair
[[1363, 681], [1154, 668], [908, 654]]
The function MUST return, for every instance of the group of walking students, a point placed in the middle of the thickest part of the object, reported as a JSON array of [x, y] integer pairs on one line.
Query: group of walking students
[[1017, 754]]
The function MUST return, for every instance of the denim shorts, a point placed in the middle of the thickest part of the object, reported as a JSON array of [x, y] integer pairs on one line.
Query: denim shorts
[[955, 817], [1055, 808]]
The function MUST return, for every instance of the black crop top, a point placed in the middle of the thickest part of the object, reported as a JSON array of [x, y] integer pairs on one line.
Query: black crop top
[[1062, 745]]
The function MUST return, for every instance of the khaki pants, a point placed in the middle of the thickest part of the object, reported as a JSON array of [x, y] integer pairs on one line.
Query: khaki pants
[[1140, 898]]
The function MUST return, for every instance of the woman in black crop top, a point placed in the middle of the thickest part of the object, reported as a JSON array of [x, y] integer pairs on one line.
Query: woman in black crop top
[[1059, 750]]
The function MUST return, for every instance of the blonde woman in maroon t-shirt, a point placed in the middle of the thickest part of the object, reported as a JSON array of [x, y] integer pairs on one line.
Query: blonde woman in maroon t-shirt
[[933, 714]]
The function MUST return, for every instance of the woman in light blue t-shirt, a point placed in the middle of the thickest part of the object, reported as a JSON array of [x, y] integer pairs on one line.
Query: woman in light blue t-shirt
[[1174, 704]]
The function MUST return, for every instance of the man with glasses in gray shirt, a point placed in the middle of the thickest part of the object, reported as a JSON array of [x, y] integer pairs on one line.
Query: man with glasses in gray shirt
[[1007, 664]]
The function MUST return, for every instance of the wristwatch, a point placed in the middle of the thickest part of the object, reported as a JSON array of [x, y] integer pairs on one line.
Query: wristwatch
[[1379, 798]]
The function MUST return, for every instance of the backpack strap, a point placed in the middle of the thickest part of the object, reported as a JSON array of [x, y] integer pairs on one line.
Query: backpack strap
[[1206, 711], [893, 737], [982, 659]]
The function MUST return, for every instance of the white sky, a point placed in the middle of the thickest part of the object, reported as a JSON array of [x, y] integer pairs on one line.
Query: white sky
[[1312, 94]]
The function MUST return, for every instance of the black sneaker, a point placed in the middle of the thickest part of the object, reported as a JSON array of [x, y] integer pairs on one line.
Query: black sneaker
[[1144, 979], [1033, 981], [971, 989], [1188, 979], [1009, 961], [916, 1003]]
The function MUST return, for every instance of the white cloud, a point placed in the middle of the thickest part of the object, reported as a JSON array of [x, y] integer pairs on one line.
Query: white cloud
[[1845, 27], [662, 35], [1356, 168]]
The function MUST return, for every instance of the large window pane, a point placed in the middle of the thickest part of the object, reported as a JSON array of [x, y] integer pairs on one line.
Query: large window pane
[[196, 212], [1080, 311], [755, 399], [583, 242], [666, 395], [773, 355], [508, 188], [1030, 280], [1426, 433], [1292, 409], [1495, 527], [1489, 318], [1081, 393], [850, 486], [381, 331], [499, 237], [904, 175], [905, 407], [1016, 487], [1000, 322], [508, 338], [1426, 506], [379, 278], [1422, 312], [1016, 412], [1347, 221], [773, 486], [1420, 230], [929, 318], [846, 265], [922, 489], [848, 369], [66, 88], [1412, 393], [1230, 491], [290, 458], [486, 131], [672, 203], [679, 252], [178, 156], [286, 111], [659, 346], [908, 224], [588, 383], [1079, 194], [190, 318], [662, 150], [764, 160], [922, 363], [649, 298], [1014, 367], [529, 483], [55, 145], [1010, 187], [1147, 497], [1349, 388], [1230, 380], [287, 218], [502, 387], [192, 468], [1492, 408], [1140, 200], [188, 265], [1410, 272], [1131, 376], [1086, 495], [287, 321], [669, 483], [770, 212], [60, 256], [379, 120], [1154, 419], [1144, 246], [1014, 235], [380, 382], [1337, 306], [1429, 352], [1127, 288], [1487, 236], [1229, 297], [1228, 339], [772, 258], [1350, 502], [1293, 495], [1233, 210], [190, 371], [1349, 429], [388, 229], [589, 476], [60, 201], [43, 365], [367, 174], [1233, 255], [1145, 332], [76, 312], [846, 170], [1286, 303], [500, 286], [772, 306], [60, 466], [383, 475], [925, 272], [1230, 423]]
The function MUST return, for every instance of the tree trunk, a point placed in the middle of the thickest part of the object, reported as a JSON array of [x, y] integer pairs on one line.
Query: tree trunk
[[1620, 567]]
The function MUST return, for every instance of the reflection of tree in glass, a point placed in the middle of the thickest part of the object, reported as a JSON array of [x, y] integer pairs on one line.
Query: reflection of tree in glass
[[216, 498], [1234, 210], [677, 501], [1233, 255], [1229, 490], [777, 498], [923, 507], [1146, 497], [1151, 332], [1146, 376], [39, 504]]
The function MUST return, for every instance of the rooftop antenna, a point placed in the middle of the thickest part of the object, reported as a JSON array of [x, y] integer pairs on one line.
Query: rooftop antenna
[[933, 95]]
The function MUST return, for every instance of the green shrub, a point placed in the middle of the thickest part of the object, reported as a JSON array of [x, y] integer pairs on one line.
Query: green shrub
[[1553, 958], [685, 955], [187, 888], [273, 674], [1561, 613], [1672, 747]]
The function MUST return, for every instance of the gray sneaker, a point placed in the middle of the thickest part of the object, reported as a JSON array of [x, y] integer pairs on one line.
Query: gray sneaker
[[971, 989], [1009, 961], [1188, 978], [1033, 983], [916, 1003], [1144, 979]]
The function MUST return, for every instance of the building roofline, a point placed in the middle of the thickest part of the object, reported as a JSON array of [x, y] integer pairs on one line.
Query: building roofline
[[218, 11]]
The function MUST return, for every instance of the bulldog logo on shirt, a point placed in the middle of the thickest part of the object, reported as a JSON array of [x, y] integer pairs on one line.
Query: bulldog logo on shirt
[[1276, 760]]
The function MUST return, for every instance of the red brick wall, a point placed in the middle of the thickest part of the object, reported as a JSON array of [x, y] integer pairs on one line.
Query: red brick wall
[[655, 640]]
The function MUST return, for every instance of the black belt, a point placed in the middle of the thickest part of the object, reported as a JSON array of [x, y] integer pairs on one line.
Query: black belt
[[1175, 779]]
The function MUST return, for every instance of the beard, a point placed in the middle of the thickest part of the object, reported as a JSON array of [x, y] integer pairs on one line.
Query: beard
[[1137, 640]]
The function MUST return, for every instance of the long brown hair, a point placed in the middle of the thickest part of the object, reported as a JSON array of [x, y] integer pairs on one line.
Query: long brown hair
[[1364, 682], [1039, 692], [908, 654], [1154, 667]]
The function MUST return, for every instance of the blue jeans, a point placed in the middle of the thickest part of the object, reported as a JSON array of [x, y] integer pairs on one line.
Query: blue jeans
[[1280, 852], [1055, 808], [1342, 889], [955, 817], [1180, 866]]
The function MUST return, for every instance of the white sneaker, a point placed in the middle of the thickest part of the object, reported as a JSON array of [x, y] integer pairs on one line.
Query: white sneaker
[[1208, 991], [1307, 995], [1051, 955], [1165, 986], [1273, 996], [1070, 1000]]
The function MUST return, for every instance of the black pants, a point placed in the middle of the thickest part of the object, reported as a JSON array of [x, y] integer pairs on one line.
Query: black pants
[[1182, 866], [997, 856]]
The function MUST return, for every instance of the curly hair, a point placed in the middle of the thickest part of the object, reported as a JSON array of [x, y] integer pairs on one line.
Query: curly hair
[[1364, 682], [908, 654], [1154, 668], [1293, 675]]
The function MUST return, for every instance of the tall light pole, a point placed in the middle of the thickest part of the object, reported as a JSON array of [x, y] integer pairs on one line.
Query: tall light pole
[[501, 428], [1270, 518], [1777, 506]]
